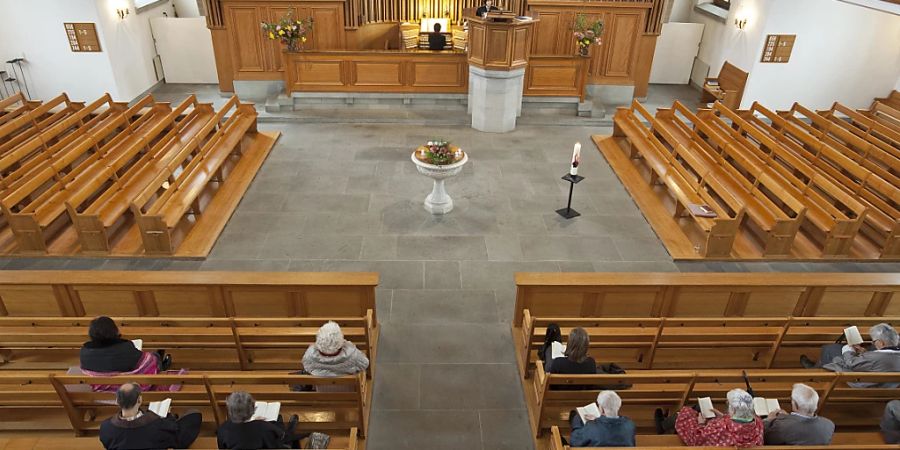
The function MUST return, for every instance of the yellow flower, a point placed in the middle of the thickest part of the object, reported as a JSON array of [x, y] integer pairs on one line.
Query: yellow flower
[[303, 39], [271, 35], [281, 32]]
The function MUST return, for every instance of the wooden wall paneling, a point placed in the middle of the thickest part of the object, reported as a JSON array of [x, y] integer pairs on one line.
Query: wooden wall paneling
[[374, 73], [438, 74], [247, 50], [546, 33], [647, 47], [224, 63], [328, 31], [623, 48], [274, 60]]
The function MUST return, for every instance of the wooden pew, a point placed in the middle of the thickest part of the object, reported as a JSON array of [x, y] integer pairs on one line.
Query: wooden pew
[[886, 114], [727, 87], [187, 294], [852, 441], [720, 231], [344, 440], [35, 343], [25, 125], [643, 295], [886, 139], [776, 213], [892, 100], [159, 218], [29, 402], [9, 110], [97, 207]]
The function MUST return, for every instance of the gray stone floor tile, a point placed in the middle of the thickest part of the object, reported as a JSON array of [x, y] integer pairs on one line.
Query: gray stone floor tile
[[441, 247], [567, 248], [424, 429], [313, 203], [241, 245], [441, 343], [443, 306], [641, 249], [397, 386], [503, 247], [499, 275], [328, 223], [292, 245], [635, 266], [384, 301], [392, 274], [442, 275], [479, 386], [505, 429], [575, 266], [379, 247], [253, 265]]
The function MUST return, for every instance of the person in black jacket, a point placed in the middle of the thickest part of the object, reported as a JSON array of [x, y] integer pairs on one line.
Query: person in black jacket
[[436, 40], [243, 431], [486, 8], [108, 352], [576, 360], [133, 429]]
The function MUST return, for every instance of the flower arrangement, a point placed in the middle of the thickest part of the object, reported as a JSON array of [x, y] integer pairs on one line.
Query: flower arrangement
[[587, 34], [289, 31], [440, 153]]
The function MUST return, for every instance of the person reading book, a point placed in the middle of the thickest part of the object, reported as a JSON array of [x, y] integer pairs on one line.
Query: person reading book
[[107, 353], [882, 356], [134, 429], [575, 359], [600, 425], [245, 429], [552, 337], [709, 427], [801, 426]]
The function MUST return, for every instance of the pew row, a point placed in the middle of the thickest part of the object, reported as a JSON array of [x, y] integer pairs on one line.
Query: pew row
[[340, 440]]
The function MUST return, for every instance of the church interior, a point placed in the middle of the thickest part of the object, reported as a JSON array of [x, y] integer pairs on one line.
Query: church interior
[[449, 224]]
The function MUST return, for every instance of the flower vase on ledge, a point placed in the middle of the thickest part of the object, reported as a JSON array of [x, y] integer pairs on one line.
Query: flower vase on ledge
[[584, 51], [294, 46]]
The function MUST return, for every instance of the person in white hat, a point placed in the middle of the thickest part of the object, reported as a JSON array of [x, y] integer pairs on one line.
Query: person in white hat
[[332, 355]]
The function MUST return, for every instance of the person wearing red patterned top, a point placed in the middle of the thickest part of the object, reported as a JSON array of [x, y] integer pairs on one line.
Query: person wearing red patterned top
[[739, 428]]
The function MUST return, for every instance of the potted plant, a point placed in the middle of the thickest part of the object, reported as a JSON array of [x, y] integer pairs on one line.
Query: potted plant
[[292, 33], [587, 34]]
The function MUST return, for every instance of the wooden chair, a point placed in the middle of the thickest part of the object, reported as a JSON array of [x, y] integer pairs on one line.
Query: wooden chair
[[727, 87]]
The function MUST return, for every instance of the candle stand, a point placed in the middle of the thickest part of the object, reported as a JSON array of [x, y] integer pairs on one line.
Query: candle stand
[[568, 212]]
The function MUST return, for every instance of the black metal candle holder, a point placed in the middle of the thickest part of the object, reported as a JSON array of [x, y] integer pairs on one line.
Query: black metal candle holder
[[568, 212]]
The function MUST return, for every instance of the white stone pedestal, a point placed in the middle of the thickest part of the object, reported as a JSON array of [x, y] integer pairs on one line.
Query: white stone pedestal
[[438, 201], [495, 98]]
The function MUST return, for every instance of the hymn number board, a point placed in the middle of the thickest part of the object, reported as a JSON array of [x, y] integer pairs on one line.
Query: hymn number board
[[83, 37], [778, 48]]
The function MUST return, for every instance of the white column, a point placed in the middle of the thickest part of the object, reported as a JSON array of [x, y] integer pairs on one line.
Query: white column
[[495, 98]]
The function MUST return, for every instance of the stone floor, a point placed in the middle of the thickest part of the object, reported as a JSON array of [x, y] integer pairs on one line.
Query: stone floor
[[345, 197]]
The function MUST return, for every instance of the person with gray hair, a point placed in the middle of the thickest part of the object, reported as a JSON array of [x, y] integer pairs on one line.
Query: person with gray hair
[[883, 356], [739, 428], [332, 355], [890, 423], [802, 426], [608, 430], [244, 431], [133, 429]]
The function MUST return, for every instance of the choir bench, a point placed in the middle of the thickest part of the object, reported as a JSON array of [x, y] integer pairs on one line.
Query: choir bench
[[346, 440]]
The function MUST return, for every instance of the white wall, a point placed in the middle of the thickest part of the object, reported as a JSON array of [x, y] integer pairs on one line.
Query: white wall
[[681, 10], [725, 42], [185, 47], [129, 43], [52, 67], [842, 53], [187, 8]]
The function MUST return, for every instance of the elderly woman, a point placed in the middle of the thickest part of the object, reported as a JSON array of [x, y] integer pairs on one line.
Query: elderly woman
[[332, 355], [108, 354], [739, 428], [608, 430], [243, 431], [576, 359], [802, 426], [883, 357], [890, 423]]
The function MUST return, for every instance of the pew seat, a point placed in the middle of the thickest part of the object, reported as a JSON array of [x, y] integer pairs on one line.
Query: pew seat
[[340, 440], [727, 87]]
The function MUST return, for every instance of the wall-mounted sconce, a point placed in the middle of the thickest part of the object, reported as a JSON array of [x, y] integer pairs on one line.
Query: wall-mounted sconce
[[122, 13], [740, 22]]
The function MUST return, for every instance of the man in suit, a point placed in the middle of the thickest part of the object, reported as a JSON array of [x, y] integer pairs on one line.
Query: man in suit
[[436, 40], [488, 6], [802, 426], [133, 429], [890, 424], [884, 356]]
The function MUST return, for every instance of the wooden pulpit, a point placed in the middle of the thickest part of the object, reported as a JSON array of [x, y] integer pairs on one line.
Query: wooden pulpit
[[500, 42]]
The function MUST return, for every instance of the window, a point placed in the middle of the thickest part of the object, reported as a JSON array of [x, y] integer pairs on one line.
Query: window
[[724, 4], [140, 5]]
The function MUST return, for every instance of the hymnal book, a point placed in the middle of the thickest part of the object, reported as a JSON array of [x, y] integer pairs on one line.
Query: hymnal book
[[161, 408], [706, 407], [588, 410], [712, 82], [267, 411], [557, 350], [138, 343], [853, 336], [701, 210], [765, 406]]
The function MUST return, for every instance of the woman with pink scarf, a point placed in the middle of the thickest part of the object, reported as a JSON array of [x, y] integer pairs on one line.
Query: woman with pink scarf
[[107, 354]]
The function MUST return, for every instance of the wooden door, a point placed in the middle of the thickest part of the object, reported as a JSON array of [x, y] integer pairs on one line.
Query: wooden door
[[247, 47], [621, 41]]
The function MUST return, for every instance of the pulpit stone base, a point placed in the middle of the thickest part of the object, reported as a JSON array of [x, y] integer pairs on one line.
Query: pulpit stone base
[[495, 98]]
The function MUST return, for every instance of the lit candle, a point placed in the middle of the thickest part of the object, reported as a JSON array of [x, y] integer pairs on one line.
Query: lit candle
[[576, 159]]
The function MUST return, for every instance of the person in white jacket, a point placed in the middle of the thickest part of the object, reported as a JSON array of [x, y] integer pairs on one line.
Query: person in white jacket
[[332, 355]]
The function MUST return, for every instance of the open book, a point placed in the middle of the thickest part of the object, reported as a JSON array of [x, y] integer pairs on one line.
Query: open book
[[706, 407], [588, 410], [267, 411], [853, 336], [138, 344], [557, 350], [765, 406], [161, 408]]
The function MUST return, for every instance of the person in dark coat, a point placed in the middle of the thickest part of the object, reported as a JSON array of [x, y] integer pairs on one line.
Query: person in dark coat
[[608, 430], [242, 431], [133, 429], [576, 360], [107, 352], [486, 8], [436, 40], [802, 426], [890, 424]]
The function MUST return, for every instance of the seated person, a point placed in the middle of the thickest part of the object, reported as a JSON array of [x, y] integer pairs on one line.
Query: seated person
[[133, 429], [576, 360], [243, 431], [890, 423], [436, 40], [802, 426], [488, 6], [545, 353], [739, 428], [333, 356], [108, 354], [608, 430], [885, 357]]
